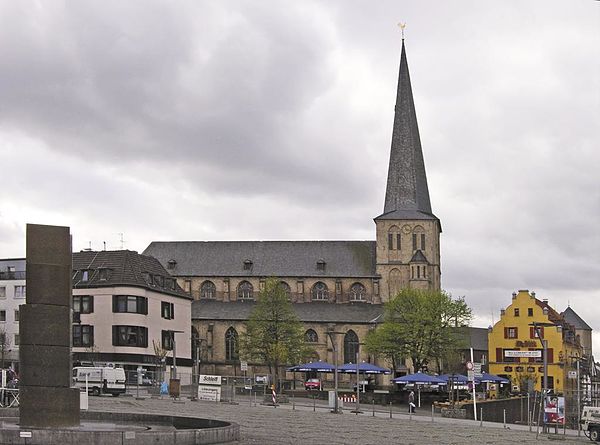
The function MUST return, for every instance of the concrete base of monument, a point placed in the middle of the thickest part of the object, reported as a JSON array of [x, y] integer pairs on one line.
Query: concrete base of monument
[[105, 428]]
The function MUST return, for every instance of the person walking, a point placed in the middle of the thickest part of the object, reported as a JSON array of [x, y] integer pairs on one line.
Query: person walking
[[411, 402]]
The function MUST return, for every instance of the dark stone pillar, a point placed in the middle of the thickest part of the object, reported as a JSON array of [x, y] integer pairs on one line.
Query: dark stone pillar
[[47, 399]]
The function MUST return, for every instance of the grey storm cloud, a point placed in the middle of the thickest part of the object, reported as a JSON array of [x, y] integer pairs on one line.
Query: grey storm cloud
[[265, 120]]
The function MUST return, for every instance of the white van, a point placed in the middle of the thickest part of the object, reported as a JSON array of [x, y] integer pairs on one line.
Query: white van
[[101, 379]]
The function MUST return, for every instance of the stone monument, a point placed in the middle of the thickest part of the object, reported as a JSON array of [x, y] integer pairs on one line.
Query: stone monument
[[46, 397]]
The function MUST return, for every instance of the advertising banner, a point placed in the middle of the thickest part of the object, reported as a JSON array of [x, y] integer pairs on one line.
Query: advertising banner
[[554, 412]]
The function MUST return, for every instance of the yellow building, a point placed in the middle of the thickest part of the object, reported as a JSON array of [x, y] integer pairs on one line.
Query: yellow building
[[515, 332]]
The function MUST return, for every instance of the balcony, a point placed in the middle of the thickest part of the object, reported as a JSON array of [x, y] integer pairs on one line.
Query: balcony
[[12, 275]]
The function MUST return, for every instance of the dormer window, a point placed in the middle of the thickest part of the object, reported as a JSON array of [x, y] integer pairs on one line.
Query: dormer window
[[103, 274], [85, 275], [171, 264], [158, 281], [247, 265], [321, 265]]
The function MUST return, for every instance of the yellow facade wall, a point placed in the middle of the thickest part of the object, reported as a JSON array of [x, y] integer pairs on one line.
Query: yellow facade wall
[[514, 332]]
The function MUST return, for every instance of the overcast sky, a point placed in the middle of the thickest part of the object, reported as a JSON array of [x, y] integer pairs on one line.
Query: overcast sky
[[243, 120]]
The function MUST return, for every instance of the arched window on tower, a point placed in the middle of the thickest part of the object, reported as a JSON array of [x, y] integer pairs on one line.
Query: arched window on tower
[[208, 290], [394, 238], [310, 336], [350, 346], [231, 345], [357, 292], [320, 291], [245, 291], [418, 238]]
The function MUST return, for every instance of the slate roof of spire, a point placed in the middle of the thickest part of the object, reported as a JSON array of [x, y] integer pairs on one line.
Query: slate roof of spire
[[407, 195], [572, 317], [268, 258], [124, 268]]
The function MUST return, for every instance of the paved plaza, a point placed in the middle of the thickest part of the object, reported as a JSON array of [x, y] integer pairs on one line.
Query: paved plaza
[[285, 425]]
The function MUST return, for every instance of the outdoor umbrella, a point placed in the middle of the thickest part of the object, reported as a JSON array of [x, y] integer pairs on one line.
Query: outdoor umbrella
[[419, 379], [457, 378], [490, 378], [363, 368], [314, 366]]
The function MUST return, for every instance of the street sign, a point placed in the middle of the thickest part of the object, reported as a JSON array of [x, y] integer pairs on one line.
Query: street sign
[[477, 369], [534, 354], [244, 366], [469, 366], [572, 374], [471, 376]]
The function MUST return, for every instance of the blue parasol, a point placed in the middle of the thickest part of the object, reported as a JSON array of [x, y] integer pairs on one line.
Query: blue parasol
[[363, 368], [419, 379], [314, 366], [457, 378]]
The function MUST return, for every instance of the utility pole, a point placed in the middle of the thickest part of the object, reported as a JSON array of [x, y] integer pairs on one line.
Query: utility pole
[[539, 333]]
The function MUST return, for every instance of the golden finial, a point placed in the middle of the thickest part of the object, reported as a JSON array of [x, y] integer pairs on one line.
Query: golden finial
[[402, 26]]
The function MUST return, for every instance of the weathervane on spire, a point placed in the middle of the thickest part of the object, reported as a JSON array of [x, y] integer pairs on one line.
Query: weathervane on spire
[[402, 26]]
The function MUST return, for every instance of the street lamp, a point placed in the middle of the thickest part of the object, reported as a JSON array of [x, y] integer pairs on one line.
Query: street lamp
[[539, 333], [578, 360], [336, 408], [174, 344]]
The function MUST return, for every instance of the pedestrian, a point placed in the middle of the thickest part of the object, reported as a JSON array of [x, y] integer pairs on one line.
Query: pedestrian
[[411, 402]]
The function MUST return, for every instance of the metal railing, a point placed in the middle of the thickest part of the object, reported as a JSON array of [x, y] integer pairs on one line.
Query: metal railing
[[15, 275]]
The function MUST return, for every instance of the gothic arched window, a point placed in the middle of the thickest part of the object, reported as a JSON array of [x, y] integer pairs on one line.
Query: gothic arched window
[[350, 346], [319, 291], [286, 288], [245, 291], [231, 345], [310, 336], [358, 292], [208, 290]]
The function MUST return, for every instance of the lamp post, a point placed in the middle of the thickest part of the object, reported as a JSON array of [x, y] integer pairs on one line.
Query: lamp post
[[336, 408], [539, 333], [174, 344], [578, 361]]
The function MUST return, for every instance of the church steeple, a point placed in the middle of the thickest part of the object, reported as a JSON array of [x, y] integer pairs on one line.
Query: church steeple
[[407, 195], [408, 233]]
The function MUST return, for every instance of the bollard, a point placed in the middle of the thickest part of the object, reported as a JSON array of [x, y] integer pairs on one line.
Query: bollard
[[250, 398], [255, 399], [432, 413], [314, 403], [293, 402], [373, 402], [504, 416], [390, 410], [409, 412], [481, 417]]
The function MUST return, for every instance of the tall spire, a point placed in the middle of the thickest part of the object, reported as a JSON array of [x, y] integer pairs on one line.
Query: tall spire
[[407, 195]]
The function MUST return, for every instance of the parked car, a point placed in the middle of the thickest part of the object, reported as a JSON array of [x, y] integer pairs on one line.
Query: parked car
[[312, 384]]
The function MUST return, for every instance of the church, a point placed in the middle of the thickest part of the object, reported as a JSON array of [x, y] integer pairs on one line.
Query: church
[[334, 286]]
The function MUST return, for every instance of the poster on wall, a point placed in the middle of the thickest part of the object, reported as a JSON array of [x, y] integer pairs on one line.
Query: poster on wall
[[554, 412]]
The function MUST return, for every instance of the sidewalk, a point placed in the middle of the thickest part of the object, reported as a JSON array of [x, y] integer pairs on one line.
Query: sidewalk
[[296, 423]]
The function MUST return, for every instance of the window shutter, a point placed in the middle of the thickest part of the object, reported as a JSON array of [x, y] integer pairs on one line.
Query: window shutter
[[499, 354], [531, 333], [505, 332], [550, 355], [516, 332]]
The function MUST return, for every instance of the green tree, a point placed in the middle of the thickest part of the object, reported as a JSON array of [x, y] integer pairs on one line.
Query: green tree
[[274, 334], [421, 325]]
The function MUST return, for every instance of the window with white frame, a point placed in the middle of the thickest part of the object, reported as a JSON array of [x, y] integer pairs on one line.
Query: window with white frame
[[20, 292]]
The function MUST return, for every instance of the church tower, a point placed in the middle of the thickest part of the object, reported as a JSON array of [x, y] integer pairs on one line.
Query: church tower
[[408, 233]]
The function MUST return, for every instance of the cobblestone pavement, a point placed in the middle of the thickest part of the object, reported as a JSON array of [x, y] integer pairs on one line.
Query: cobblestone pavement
[[268, 425]]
